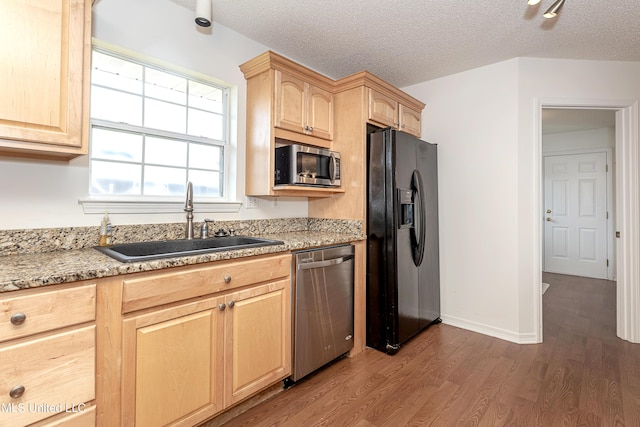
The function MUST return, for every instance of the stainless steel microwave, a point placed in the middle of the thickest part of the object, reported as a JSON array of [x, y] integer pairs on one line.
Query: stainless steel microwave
[[302, 165]]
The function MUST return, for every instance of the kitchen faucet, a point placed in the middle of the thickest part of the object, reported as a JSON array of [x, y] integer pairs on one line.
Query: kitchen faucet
[[188, 208]]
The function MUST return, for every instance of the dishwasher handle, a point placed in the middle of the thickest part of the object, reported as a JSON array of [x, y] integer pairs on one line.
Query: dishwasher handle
[[327, 263]]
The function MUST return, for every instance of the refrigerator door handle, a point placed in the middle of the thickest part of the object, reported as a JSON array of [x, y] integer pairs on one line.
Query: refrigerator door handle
[[418, 242]]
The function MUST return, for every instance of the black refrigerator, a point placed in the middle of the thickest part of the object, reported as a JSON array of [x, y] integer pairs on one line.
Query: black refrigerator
[[403, 273]]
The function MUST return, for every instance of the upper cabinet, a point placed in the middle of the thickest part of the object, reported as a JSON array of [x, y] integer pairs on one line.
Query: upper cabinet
[[45, 70], [285, 101], [302, 107], [388, 111]]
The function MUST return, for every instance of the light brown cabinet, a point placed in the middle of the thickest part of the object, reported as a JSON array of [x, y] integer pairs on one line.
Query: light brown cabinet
[[388, 111], [194, 340], [48, 348], [172, 365], [45, 68], [286, 103], [302, 107]]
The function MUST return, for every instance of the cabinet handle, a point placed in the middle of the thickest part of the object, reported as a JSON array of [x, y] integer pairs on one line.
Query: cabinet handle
[[231, 304], [222, 307], [18, 318], [227, 279], [17, 391]]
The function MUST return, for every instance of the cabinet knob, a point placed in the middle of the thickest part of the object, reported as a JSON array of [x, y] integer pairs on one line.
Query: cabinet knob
[[222, 307], [231, 304], [18, 318], [17, 391], [227, 279]]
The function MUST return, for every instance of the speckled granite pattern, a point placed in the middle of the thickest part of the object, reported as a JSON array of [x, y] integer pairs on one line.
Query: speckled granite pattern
[[14, 242], [32, 270]]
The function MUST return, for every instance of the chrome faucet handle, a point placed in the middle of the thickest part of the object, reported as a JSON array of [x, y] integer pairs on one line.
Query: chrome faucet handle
[[188, 203], [221, 233], [188, 208], [204, 230]]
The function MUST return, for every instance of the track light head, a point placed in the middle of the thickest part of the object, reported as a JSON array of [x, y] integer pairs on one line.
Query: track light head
[[203, 13], [552, 12]]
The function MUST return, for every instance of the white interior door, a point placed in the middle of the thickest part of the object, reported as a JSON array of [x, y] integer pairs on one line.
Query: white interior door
[[575, 203]]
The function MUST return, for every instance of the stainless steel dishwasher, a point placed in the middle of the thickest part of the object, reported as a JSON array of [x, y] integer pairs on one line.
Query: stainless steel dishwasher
[[322, 307]]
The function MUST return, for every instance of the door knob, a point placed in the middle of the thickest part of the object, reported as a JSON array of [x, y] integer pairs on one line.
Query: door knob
[[548, 219], [548, 210]]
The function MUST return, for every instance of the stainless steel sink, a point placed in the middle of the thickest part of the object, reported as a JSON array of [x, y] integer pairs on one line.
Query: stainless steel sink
[[142, 251]]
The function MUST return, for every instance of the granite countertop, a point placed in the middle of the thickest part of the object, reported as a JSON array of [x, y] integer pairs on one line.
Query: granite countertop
[[31, 270]]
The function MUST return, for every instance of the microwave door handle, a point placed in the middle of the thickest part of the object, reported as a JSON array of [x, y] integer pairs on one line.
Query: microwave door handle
[[332, 168]]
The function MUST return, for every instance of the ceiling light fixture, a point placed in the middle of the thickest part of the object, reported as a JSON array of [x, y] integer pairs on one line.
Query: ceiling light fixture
[[203, 13], [552, 12], [533, 2]]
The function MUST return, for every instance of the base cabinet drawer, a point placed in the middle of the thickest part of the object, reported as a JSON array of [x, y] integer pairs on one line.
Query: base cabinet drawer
[[47, 375], [29, 313], [84, 416]]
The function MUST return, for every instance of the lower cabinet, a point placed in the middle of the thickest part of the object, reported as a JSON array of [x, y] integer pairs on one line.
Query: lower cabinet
[[185, 363], [48, 356]]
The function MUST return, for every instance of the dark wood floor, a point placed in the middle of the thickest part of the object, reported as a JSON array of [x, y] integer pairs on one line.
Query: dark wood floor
[[582, 375]]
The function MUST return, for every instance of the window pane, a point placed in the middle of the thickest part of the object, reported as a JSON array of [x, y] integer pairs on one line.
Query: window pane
[[205, 184], [114, 145], [119, 107], [164, 116], [154, 129], [168, 152], [114, 178], [208, 125], [159, 181], [205, 97], [205, 156], [116, 73], [164, 86]]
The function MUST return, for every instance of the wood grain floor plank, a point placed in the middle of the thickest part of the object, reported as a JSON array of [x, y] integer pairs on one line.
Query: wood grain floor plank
[[581, 375]]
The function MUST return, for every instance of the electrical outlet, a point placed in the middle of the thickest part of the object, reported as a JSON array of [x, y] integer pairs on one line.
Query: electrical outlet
[[274, 202], [251, 203]]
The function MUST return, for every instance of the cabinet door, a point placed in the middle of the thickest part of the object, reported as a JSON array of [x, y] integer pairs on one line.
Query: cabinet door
[[410, 121], [291, 106], [43, 50], [173, 359], [258, 338], [320, 118], [383, 109]]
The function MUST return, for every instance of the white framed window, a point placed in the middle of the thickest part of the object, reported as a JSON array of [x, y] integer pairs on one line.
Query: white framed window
[[153, 129]]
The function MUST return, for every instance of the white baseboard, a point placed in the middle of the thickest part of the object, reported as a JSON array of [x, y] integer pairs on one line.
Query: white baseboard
[[503, 334]]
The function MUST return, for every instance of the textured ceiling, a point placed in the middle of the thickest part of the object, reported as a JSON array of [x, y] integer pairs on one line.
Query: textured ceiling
[[411, 41]]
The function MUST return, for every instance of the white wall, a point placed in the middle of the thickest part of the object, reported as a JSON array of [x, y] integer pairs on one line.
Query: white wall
[[41, 194], [473, 118], [484, 122], [579, 140]]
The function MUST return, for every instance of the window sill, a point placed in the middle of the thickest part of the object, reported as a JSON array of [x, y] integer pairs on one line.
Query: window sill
[[124, 205]]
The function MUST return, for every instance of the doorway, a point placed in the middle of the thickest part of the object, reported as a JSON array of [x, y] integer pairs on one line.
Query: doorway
[[578, 148], [627, 211]]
